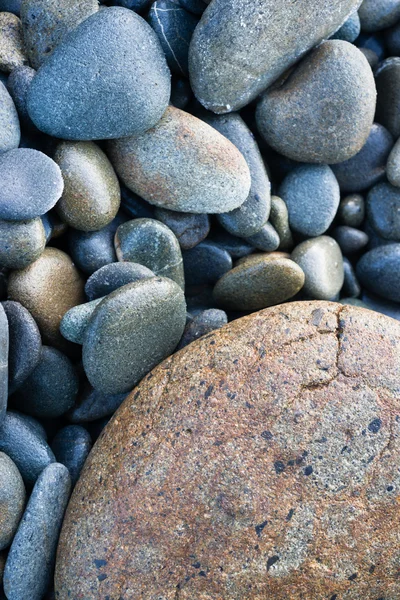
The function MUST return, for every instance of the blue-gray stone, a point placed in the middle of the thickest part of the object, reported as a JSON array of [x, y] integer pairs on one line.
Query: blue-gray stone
[[33, 423], [134, 206], [350, 240], [383, 211], [21, 242], [197, 7], [393, 165], [279, 219], [71, 447], [267, 239], [138, 6], [235, 246], [10, 132], [30, 562], [376, 15], [74, 322], [12, 500], [4, 351], [350, 30], [189, 228], [93, 405], [351, 287], [372, 42], [392, 40], [387, 78], [351, 210], [378, 271], [205, 263], [386, 307], [202, 323], [18, 84], [111, 277], [181, 92], [119, 86], [12, 6]]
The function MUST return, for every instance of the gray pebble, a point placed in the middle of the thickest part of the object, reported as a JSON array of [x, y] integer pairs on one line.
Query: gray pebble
[[204, 322], [392, 40], [21, 242], [71, 447], [311, 194], [134, 78], [351, 210], [378, 271], [235, 246], [111, 277], [350, 30], [152, 244], [138, 6], [25, 344], [375, 239], [393, 165], [74, 322], [350, 240], [351, 287], [353, 302], [12, 500], [33, 424], [181, 93], [190, 229], [4, 353], [131, 332], [267, 239], [205, 263], [134, 206], [10, 132], [25, 446], [386, 307], [371, 57], [30, 562], [12, 6], [93, 404], [279, 218], [322, 262], [12, 51], [387, 78], [331, 90], [197, 7], [379, 14], [18, 85], [383, 210]]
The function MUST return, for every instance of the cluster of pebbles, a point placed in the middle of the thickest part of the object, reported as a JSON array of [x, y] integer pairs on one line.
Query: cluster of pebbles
[[140, 211]]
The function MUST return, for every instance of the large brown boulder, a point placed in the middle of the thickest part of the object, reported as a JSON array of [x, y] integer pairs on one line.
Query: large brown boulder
[[259, 463]]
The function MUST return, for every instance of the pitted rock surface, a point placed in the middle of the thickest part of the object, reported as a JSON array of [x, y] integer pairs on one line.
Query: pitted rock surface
[[260, 462]]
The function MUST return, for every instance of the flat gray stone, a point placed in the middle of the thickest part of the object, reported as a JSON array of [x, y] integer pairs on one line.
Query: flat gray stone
[[111, 277], [383, 210], [21, 242], [74, 322], [387, 78], [12, 500], [190, 229], [393, 165], [4, 353], [379, 14], [71, 447], [378, 271], [10, 132]]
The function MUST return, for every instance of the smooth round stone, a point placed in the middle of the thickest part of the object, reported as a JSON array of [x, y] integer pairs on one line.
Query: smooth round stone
[[181, 93], [30, 561], [92, 250], [379, 14], [352, 210], [21, 242], [350, 30], [12, 6], [174, 27], [279, 389], [25, 445], [387, 78], [4, 357], [386, 307], [383, 210], [235, 246], [111, 277], [249, 218], [152, 244], [18, 85], [375, 239], [71, 447], [267, 239], [371, 57], [393, 165], [31, 184], [74, 322], [240, 47], [311, 194], [93, 405], [197, 7], [131, 331], [374, 42], [279, 218], [48, 288], [46, 23], [331, 90], [322, 263], [205, 263], [10, 132], [392, 40], [350, 240], [134, 79], [203, 323], [183, 164], [368, 167], [91, 196], [190, 229], [351, 287], [378, 271], [12, 51], [25, 344], [33, 424], [51, 389], [138, 6], [259, 283], [12, 500]]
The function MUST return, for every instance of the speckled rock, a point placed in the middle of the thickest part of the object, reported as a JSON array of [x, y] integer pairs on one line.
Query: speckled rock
[[93, 405], [387, 78], [237, 247], [203, 323], [205, 263], [378, 271], [148, 318], [71, 447], [267, 239], [18, 84], [393, 165], [350, 239], [190, 229], [30, 561], [4, 352], [10, 132], [25, 344], [368, 166], [392, 40], [183, 164], [12, 51], [76, 319], [21, 242], [351, 287], [351, 210], [240, 47], [269, 393], [111, 277], [47, 22], [379, 14], [31, 184], [12, 500], [13, 6], [134, 77], [322, 262], [350, 30], [152, 244], [261, 282], [48, 288], [279, 218], [383, 210], [331, 90]]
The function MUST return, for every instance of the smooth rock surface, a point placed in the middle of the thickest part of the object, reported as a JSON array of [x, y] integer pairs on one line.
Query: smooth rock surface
[[351, 210], [203, 323], [12, 500], [379, 14], [93, 405], [128, 71], [279, 218], [10, 132], [111, 277], [351, 287], [387, 79], [18, 84], [71, 447], [267, 239], [378, 271], [183, 164], [190, 229], [350, 30], [205, 263], [21, 242], [76, 319], [324, 110], [393, 165], [269, 393], [4, 354], [350, 240], [12, 51], [383, 210]]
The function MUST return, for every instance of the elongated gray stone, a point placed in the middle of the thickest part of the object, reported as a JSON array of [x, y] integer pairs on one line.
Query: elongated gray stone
[[4, 341], [10, 132]]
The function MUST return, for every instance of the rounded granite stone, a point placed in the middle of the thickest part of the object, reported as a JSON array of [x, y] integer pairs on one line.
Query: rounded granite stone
[[240, 47], [10, 132], [21, 242], [12, 500], [190, 229], [111, 277], [279, 445], [323, 111], [383, 211], [12, 51], [393, 165], [4, 358], [46, 23], [71, 447], [379, 14], [183, 164], [387, 78], [350, 30], [48, 288], [351, 210], [91, 196], [378, 271], [18, 84]]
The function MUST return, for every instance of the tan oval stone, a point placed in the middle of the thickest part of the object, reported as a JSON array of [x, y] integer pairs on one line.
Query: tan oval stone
[[259, 463], [48, 288]]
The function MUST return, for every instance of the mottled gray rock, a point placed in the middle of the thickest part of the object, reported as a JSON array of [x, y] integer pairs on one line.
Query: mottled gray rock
[[237, 247], [311, 194], [4, 352], [131, 331], [71, 447], [30, 561], [12, 51], [46, 23], [383, 210], [13, 6], [204, 322], [152, 244], [121, 83], [240, 47], [12, 500], [351, 287], [378, 271], [205, 263], [322, 263], [379, 14], [350, 30], [183, 164], [279, 218], [351, 210], [10, 132], [190, 229], [324, 110], [387, 78], [393, 165], [267, 239], [350, 239], [21, 242], [74, 322], [18, 84], [31, 184], [111, 277], [371, 57], [93, 405]]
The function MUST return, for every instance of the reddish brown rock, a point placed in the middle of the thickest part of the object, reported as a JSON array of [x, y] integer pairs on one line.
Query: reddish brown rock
[[259, 463]]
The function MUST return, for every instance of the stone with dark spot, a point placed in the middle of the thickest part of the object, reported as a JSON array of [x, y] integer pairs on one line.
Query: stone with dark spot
[[351, 210], [183, 481]]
